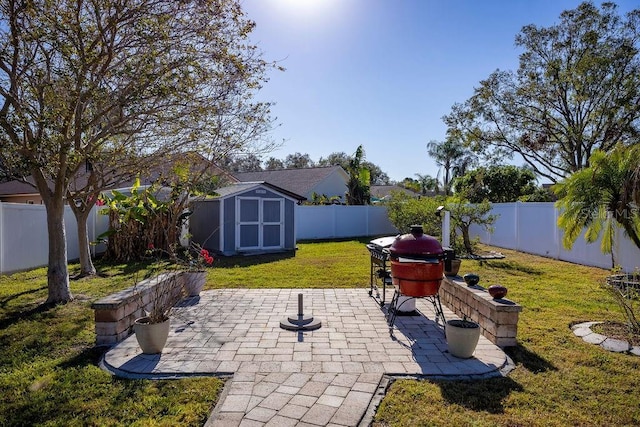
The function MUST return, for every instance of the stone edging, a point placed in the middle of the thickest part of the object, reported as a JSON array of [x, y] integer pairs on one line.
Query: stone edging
[[583, 330]]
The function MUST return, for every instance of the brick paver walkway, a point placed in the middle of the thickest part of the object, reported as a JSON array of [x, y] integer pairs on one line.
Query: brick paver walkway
[[329, 376]]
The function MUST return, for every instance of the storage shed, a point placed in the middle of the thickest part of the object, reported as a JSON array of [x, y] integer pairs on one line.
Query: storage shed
[[245, 218]]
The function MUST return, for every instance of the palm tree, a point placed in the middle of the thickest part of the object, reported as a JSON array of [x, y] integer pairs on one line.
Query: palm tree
[[358, 192], [600, 197], [452, 157]]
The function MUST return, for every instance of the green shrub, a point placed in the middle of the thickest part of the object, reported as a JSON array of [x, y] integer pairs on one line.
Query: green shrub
[[404, 211]]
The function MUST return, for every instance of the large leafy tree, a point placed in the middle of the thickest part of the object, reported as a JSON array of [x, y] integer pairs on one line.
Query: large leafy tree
[[597, 198], [376, 175], [336, 159], [577, 89], [298, 161], [453, 158], [88, 82], [497, 184], [273, 163], [244, 163]]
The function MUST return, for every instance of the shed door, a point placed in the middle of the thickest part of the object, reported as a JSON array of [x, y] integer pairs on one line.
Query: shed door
[[261, 223]]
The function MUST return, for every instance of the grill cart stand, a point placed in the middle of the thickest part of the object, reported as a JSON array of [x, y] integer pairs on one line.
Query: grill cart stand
[[418, 262], [380, 273], [394, 307]]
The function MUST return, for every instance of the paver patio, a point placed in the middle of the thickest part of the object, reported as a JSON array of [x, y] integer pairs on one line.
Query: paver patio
[[331, 376]]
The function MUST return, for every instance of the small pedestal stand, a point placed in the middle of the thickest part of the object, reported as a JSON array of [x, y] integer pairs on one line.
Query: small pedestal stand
[[300, 322]]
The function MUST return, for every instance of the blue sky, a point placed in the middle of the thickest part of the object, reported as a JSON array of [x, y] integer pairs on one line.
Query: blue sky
[[382, 73]]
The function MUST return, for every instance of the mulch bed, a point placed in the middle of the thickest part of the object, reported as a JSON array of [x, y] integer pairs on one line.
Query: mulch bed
[[617, 330]]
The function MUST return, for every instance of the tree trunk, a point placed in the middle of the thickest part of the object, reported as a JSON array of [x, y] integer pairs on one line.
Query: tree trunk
[[86, 264], [57, 274], [466, 239]]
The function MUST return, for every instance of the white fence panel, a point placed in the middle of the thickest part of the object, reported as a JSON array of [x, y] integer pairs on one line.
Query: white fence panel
[[504, 229], [585, 253], [351, 221], [538, 231], [532, 228], [314, 222], [379, 223], [24, 237], [627, 253], [97, 224], [337, 221]]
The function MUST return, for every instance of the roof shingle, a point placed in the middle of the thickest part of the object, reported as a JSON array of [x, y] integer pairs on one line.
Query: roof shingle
[[299, 181]]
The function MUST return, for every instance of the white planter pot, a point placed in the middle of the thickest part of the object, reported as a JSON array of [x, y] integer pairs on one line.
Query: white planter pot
[[194, 281], [151, 336], [405, 304], [461, 341]]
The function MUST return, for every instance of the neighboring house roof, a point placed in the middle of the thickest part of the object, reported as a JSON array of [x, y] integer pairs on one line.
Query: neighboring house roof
[[384, 191], [299, 181], [241, 187], [158, 172], [11, 188]]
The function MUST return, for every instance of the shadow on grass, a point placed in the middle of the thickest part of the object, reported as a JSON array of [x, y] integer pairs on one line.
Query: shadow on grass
[[483, 395], [14, 317], [513, 267], [249, 260], [8, 298], [88, 356], [529, 360], [107, 268], [364, 240]]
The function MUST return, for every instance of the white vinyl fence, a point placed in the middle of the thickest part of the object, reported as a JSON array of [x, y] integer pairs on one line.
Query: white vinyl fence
[[532, 228], [23, 235], [338, 221], [24, 244], [526, 227]]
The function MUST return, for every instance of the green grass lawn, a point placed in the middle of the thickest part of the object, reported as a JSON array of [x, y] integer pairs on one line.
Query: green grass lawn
[[559, 380], [48, 363], [49, 373]]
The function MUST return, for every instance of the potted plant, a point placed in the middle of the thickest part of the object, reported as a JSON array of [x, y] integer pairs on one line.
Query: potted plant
[[455, 267], [195, 276], [157, 296], [462, 337]]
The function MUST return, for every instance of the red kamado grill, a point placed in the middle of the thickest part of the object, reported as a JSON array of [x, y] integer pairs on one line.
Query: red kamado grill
[[417, 267]]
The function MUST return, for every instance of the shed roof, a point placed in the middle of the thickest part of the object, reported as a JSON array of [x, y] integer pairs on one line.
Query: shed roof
[[241, 187]]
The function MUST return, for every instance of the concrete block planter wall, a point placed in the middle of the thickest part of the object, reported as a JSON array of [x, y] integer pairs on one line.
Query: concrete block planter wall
[[498, 318], [116, 313]]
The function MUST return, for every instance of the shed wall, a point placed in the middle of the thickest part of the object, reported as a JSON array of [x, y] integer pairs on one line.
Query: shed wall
[[204, 224], [289, 224]]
